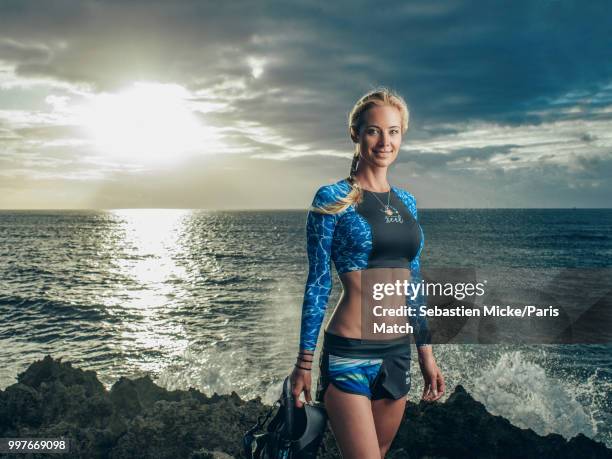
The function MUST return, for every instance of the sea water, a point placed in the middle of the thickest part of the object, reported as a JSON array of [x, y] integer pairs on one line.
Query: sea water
[[212, 300]]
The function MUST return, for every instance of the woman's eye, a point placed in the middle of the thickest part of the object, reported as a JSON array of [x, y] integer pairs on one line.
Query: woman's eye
[[373, 132], [394, 131]]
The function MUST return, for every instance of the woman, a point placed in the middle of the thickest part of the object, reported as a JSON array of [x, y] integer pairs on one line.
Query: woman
[[369, 230]]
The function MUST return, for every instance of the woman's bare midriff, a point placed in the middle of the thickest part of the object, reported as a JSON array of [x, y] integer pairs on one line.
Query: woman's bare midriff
[[346, 319]]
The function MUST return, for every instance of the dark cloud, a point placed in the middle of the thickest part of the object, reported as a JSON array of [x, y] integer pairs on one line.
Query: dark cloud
[[457, 63], [12, 51], [469, 60], [592, 167], [588, 137], [439, 161]]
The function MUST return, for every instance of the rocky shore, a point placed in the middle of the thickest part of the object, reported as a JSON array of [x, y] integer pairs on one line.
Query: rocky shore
[[138, 419]]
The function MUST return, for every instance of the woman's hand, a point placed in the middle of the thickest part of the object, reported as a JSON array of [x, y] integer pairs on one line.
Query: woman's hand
[[434, 381], [301, 380]]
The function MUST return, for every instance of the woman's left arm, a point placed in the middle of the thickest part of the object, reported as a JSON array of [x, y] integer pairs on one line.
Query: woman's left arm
[[434, 386]]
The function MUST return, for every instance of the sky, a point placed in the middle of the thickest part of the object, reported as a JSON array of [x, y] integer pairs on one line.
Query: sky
[[244, 105]]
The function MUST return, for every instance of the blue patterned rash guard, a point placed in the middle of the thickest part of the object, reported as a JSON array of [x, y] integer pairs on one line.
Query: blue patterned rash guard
[[355, 240]]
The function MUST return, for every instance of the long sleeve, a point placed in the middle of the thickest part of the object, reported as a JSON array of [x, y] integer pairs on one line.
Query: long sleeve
[[319, 236], [422, 334]]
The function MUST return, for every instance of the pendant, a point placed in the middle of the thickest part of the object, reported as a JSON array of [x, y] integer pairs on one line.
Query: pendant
[[391, 215]]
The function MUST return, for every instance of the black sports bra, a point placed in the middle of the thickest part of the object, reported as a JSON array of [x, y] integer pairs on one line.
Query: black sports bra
[[395, 234]]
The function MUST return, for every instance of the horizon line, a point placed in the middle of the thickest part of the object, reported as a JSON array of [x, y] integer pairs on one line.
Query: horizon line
[[284, 209]]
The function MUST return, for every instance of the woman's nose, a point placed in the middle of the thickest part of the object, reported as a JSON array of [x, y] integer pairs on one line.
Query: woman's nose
[[384, 139]]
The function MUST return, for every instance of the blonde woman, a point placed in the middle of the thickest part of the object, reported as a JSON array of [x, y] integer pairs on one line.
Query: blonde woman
[[370, 230]]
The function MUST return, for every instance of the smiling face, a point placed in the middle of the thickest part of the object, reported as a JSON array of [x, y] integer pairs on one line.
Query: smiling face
[[380, 136]]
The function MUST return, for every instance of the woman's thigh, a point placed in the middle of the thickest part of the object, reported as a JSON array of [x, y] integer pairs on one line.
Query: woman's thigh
[[388, 415], [352, 422]]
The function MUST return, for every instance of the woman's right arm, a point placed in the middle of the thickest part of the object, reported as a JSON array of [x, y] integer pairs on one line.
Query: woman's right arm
[[319, 236]]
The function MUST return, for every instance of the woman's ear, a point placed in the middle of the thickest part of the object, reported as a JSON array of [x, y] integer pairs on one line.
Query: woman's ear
[[354, 134]]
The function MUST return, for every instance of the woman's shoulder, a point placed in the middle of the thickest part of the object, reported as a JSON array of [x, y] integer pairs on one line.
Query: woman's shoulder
[[327, 194], [404, 193], [407, 197]]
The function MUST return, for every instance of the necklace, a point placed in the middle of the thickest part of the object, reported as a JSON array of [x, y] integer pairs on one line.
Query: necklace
[[386, 207]]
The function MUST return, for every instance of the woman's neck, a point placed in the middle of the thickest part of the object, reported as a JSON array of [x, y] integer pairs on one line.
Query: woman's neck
[[373, 180]]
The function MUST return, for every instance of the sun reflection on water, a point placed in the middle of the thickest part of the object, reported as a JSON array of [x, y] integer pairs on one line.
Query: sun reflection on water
[[149, 240]]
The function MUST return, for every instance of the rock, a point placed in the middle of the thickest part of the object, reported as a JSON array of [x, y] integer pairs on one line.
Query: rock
[[462, 427], [204, 454], [137, 419], [48, 370]]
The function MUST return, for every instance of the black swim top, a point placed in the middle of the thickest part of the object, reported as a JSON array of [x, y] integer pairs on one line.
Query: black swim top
[[396, 235], [361, 236]]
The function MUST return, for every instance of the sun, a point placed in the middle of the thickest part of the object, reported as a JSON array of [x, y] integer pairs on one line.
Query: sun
[[149, 123]]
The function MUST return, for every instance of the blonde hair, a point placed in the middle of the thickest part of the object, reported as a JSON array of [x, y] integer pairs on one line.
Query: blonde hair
[[378, 97]]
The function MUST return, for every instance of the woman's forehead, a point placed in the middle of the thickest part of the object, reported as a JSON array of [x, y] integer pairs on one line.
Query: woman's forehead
[[383, 115]]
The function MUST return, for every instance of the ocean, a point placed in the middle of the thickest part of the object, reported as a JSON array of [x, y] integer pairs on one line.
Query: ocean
[[212, 300]]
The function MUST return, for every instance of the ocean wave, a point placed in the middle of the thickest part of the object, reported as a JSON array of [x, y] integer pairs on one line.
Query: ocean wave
[[519, 388], [16, 308]]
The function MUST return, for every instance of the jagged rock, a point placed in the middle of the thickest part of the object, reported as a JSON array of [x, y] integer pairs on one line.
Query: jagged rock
[[204, 454], [462, 427], [138, 419], [48, 370]]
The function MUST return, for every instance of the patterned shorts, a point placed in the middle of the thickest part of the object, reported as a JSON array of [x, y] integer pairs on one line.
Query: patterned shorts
[[376, 369]]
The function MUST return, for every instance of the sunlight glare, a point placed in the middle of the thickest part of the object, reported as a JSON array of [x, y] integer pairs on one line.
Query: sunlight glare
[[149, 123]]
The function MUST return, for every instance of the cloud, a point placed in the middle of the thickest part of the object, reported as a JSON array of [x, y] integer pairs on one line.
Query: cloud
[[495, 94], [14, 51]]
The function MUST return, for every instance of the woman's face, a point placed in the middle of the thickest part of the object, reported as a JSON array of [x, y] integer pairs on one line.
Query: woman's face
[[380, 136]]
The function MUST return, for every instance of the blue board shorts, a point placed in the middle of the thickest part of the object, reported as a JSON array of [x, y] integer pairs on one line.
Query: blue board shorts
[[374, 368]]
